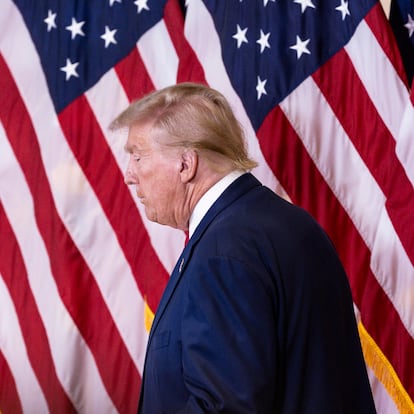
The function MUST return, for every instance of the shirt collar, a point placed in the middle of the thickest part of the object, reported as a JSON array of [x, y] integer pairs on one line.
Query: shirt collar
[[208, 199]]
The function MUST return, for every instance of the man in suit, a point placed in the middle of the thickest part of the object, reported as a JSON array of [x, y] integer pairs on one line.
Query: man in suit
[[257, 316]]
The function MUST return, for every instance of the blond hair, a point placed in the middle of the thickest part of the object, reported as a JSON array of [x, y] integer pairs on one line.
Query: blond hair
[[193, 116]]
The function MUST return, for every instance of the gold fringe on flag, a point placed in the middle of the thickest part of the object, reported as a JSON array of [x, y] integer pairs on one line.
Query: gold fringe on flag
[[385, 372], [148, 316]]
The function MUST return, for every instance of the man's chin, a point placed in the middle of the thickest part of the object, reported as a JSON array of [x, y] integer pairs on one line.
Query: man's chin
[[151, 215]]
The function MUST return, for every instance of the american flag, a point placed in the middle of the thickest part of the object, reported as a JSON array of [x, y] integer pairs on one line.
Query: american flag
[[321, 91]]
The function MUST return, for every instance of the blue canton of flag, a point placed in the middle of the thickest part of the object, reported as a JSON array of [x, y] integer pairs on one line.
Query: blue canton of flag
[[269, 50], [79, 41], [402, 21]]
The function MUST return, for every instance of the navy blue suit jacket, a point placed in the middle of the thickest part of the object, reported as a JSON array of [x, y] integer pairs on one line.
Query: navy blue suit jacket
[[257, 317]]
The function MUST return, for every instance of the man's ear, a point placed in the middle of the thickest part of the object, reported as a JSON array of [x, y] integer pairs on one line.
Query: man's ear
[[189, 165]]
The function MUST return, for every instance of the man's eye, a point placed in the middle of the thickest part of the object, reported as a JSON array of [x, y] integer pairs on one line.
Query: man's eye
[[137, 158]]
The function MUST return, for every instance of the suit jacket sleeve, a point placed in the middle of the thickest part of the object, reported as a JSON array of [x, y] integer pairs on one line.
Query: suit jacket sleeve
[[227, 348]]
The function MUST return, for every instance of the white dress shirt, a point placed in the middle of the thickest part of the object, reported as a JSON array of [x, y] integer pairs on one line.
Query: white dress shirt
[[208, 199]]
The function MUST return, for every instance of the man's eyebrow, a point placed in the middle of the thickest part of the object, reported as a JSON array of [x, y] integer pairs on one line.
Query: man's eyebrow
[[130, 148]]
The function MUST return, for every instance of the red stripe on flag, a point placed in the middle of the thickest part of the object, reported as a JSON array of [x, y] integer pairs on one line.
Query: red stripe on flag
[[189, 67], [75, 282], [9, 398], [298, 175], [133, 76], [378, 154], [33, 330], [382, 30], [94, 156]]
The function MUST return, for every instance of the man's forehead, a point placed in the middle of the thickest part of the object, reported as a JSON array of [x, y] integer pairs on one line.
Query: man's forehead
[[138, 137]]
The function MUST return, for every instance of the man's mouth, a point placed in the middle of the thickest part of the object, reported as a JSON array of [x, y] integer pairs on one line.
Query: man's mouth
[[140, 196]]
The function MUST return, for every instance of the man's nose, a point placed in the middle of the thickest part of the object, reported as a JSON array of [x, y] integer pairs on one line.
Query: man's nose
[[128, 176]]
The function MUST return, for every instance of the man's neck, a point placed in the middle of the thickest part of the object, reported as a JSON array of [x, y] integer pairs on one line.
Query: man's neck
[[209, 197]]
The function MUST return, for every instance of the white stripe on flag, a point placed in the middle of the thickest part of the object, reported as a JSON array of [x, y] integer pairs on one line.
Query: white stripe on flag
[[405, 138], [14, 350], [159, 55], [383, 402]]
